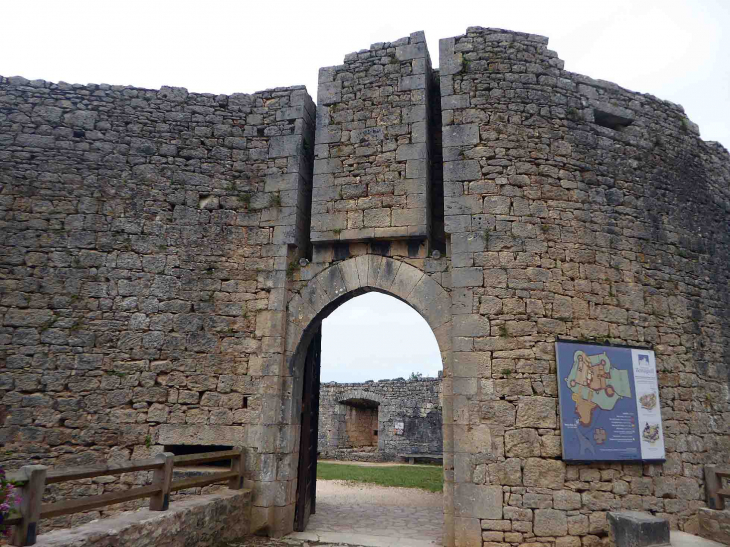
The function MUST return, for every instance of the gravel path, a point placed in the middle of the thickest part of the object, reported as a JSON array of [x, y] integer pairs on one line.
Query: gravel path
[[358, 514], [348, 493]]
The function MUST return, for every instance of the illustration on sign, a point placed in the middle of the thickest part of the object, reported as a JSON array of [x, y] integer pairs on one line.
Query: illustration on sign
[[399, 427], [609, 403]]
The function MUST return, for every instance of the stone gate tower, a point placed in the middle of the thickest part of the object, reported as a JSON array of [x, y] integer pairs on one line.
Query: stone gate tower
[[152, 291]]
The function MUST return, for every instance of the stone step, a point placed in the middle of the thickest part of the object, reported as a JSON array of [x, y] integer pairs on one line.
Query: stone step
[[683, 539]]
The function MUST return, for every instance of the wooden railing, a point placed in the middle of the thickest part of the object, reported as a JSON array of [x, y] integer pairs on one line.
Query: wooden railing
[[716, 493], [34, 478]]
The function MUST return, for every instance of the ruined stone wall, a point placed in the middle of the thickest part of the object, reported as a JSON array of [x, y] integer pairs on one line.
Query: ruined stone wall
[[146, 237], [408, 418], [576, 209]]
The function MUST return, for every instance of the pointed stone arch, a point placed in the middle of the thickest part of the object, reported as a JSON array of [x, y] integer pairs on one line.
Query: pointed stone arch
[[344, 280], [323, 294]]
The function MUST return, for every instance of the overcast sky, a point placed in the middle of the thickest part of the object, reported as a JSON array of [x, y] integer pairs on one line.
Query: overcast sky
[[678, 50], [376, 337]]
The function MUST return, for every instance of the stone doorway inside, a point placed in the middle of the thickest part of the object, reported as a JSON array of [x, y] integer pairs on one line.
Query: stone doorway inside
[[365, 426]]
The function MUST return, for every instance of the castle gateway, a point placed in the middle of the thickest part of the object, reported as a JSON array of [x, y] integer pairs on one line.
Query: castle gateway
[[168, 257]]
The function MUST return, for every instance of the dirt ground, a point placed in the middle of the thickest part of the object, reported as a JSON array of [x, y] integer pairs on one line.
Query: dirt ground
[[358, 514], [344, 493]]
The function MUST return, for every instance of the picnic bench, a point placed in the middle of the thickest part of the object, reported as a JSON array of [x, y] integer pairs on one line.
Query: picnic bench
[[413, 457]]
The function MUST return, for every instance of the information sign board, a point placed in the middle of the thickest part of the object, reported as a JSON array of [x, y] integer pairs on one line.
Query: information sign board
[[609, 403]]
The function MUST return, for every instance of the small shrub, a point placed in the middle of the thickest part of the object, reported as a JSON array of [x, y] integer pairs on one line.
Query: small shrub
[[275, 200], [245, 199], [9, 500]]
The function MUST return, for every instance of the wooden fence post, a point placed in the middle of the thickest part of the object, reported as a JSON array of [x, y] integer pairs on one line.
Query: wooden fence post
[[162, 477], [30, 505], [237, 465], [712, 485]]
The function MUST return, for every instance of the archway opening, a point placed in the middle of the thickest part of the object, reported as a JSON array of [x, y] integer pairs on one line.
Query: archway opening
[[380, 411]]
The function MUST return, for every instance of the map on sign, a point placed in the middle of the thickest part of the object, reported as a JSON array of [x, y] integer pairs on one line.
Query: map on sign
[[609, 403], [596, 384]]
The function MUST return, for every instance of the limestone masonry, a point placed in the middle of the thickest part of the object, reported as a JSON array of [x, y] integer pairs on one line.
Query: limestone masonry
[[152, 293], [380, 421]]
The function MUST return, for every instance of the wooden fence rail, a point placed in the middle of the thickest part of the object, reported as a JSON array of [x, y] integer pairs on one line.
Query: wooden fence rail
[[716, 494], [33, 480]]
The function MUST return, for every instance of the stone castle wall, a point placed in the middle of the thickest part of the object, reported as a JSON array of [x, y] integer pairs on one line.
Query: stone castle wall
[[145, 243], [407, 414], [151, 294], [562, 227], [371, 167]]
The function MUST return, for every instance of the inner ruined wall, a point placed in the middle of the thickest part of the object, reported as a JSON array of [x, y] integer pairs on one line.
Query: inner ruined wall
[[414, 404], [561, 227], [146, 237]]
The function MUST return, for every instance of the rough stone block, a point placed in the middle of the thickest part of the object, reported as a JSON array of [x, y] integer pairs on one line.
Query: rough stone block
[[636, 529], [462, 170], [461, 135], [550, 522], [478, 501]]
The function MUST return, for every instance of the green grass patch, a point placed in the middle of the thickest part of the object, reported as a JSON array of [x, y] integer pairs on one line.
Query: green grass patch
[[427, 477]]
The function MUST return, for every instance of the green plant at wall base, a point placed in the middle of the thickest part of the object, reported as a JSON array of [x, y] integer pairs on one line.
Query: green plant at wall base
[[573, 114], [244, 198], [291, 268], [275, 200], [148, 441], [337, 231], [48, 324]]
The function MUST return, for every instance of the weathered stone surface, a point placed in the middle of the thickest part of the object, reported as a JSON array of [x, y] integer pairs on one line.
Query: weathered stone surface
[[635, 529], [378, 421], [550, 522], [374, 145], [537, 412], [478, 501], [225, 516], [544, 473]]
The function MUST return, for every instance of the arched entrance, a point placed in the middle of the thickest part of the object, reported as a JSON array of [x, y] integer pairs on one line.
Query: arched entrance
[[314, 302]]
